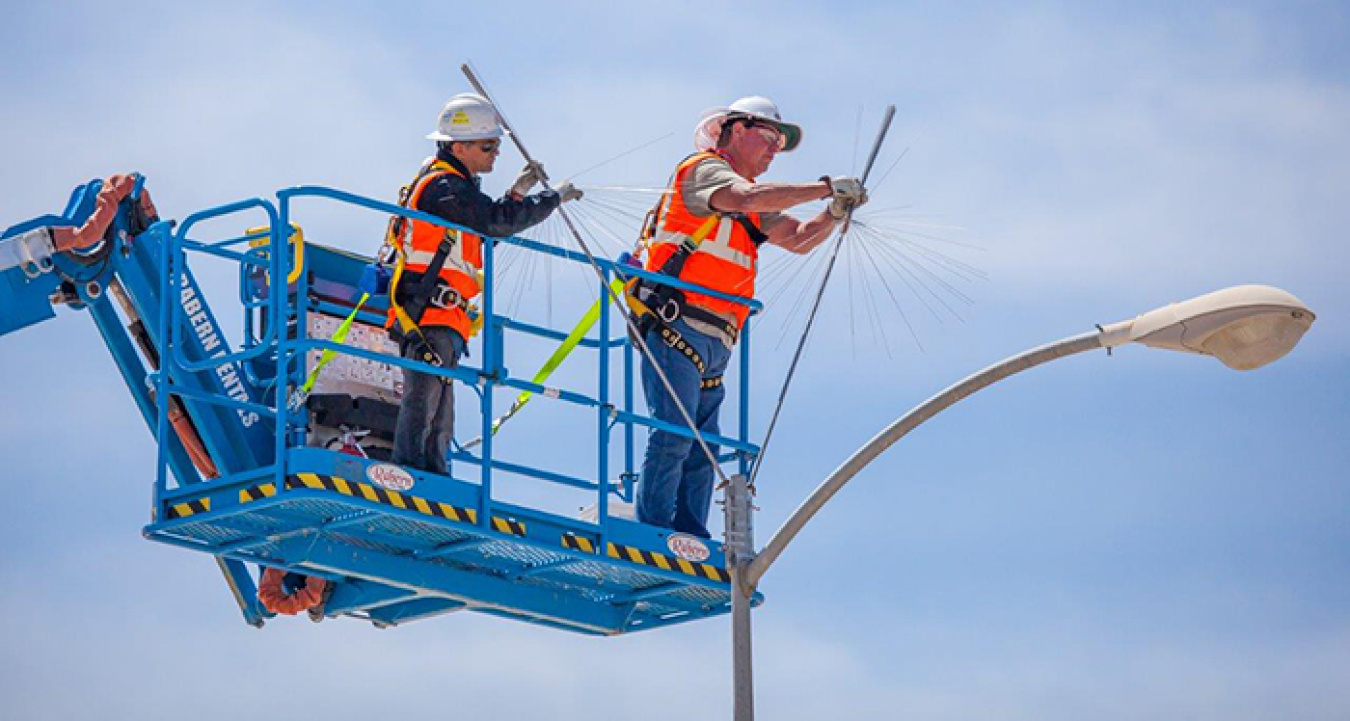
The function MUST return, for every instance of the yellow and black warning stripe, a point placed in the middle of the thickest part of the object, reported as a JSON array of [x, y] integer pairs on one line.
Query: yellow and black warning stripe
[[202, 505], [649, 558], [265, 490], [188, 508], [316, 482]]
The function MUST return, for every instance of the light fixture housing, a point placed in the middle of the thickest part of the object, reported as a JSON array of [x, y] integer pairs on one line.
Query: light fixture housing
[[1245, 327]]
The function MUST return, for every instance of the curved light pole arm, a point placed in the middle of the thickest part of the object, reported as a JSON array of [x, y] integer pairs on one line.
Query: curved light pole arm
[[899, 429]]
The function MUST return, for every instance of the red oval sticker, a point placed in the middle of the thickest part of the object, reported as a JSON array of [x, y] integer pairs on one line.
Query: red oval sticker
[[389, 476], [687, 547]]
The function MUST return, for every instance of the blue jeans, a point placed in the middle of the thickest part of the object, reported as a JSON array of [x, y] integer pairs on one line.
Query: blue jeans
[[426, 418], [677, 479]]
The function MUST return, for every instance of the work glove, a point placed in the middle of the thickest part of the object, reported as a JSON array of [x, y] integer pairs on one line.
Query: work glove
[[529, 176], [567, 191], [848, 195], [841, 207]]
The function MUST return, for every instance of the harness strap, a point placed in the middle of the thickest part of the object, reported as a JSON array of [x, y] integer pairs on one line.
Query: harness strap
[[426, 286], [445, 296], [674, 264], [663, 305], [430, 279], [672, 308], [757, 236], [440, 295]]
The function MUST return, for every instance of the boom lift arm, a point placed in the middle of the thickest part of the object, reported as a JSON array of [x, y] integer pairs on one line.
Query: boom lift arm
[[103, 249]]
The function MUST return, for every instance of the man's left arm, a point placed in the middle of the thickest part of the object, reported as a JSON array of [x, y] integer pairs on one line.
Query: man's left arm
[[801, 236], [508, 216]]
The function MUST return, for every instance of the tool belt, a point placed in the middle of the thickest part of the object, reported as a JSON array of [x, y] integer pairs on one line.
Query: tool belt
[[672, 338], [661, 306], [668, 305]]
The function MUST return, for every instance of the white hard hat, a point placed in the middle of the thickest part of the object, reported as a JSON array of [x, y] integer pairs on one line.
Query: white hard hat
[[755, 106], [468, 116]]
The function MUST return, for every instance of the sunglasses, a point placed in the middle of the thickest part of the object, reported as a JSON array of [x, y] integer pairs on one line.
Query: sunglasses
[[769, 133], [771, 136], [489, 146]]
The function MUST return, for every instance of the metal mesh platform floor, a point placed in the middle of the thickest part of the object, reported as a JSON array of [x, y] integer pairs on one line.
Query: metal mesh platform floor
[[399, 557]]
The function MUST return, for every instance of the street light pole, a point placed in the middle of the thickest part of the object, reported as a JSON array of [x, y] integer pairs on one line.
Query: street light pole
[[740, 551], [1245, 327]]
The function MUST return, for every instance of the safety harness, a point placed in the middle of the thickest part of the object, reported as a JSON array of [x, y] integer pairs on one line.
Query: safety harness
[[410, 301], [659, 305]]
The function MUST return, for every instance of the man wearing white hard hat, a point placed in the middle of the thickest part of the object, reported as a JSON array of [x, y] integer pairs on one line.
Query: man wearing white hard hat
[[438, 267], [708, 229]]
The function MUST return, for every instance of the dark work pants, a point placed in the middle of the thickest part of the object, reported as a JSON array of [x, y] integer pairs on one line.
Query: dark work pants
[[426, 419]]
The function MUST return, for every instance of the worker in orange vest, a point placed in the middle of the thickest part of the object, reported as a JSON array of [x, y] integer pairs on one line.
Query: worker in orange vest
[[438, 268], [708, 229]]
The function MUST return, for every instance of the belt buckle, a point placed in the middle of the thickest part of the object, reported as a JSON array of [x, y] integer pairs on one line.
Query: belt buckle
[[446, 297], [669, 312]]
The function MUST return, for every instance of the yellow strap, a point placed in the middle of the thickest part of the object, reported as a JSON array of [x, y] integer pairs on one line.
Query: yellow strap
[[638, 308], [339, 336], [630, 288], [405, 321], [705, 229], [560, 354]]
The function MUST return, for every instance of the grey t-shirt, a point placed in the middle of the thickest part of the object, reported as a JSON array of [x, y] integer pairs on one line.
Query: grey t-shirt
[[707, 178]]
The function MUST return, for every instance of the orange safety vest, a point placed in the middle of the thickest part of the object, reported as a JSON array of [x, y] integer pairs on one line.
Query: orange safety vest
[[726, 260], [418, 243]]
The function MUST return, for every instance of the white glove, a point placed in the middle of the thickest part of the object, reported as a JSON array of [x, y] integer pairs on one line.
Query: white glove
[[849, 195], [567, 191], [529, 176], [845, 187]]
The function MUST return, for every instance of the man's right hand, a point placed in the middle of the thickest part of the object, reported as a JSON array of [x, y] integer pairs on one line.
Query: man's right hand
[[848, 195], [846, 188], [567, 192]]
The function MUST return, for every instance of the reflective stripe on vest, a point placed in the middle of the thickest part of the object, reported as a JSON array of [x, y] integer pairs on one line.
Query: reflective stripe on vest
[[419, 243], [726, 260]]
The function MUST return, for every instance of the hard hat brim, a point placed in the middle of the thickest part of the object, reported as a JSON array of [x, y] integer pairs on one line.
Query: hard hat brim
[[458, 137], [710, 126]]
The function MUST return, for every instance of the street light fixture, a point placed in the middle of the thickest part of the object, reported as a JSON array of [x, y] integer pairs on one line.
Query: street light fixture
[[1245, 327]]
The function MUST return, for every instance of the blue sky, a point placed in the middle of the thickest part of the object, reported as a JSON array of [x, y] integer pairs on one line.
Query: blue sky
[[1146, 535]]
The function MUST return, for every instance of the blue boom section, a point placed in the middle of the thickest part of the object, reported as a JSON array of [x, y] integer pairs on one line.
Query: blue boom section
[[240, 477], [26, 289], [125, 265], [238, 438]]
